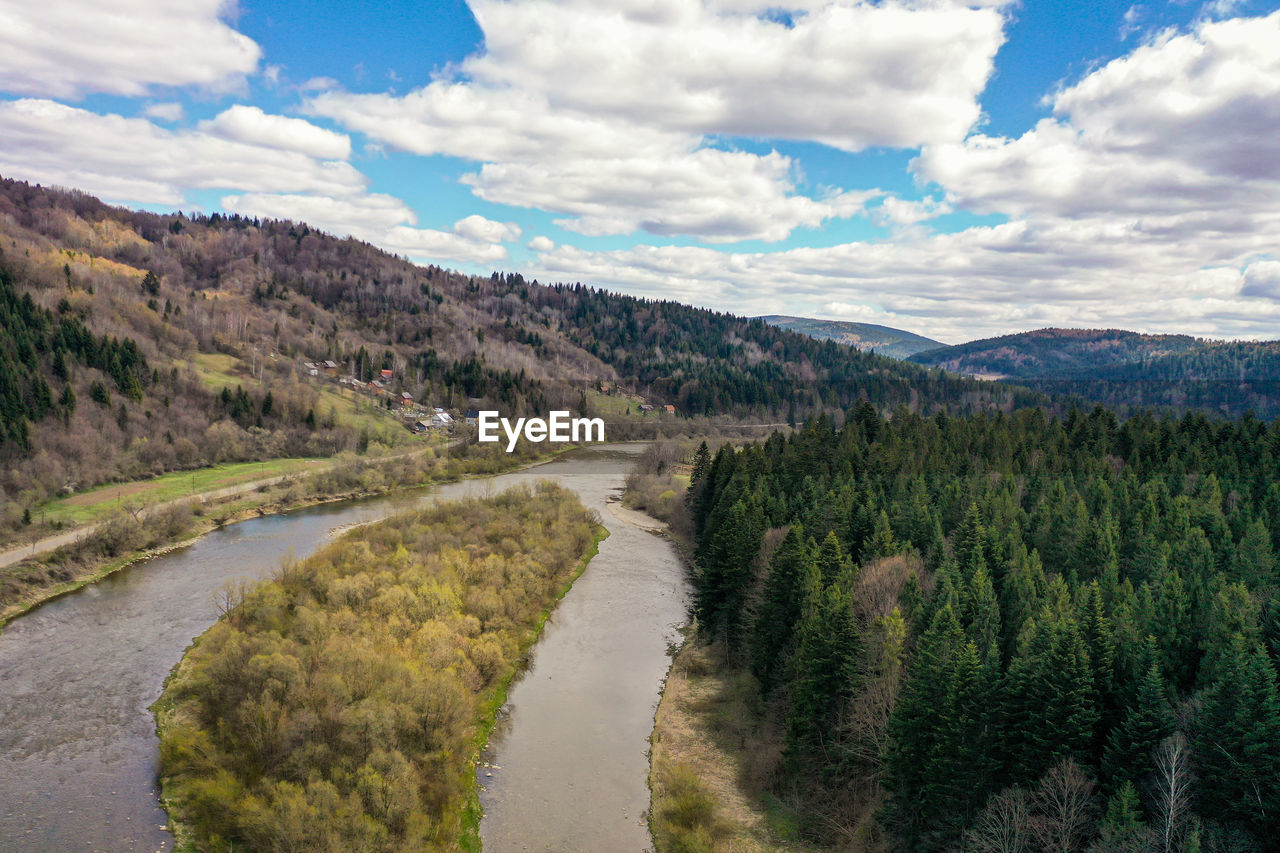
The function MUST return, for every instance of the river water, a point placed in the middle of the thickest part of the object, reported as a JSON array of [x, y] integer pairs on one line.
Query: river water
[[567, 765]]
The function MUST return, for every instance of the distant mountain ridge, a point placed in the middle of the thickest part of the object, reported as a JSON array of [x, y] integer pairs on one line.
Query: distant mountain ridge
[[1127, 370], [885, 340], [1053, 352]]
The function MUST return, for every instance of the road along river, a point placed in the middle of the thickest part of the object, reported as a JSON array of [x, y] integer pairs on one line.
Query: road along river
[[568, 761]]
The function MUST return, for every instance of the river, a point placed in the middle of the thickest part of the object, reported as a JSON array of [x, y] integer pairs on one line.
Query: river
[[567, 766]]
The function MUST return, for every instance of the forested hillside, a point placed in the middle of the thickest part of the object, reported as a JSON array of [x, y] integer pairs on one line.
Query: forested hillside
[[1007, 632], [1126, 370], [136, 343], [864, 336]]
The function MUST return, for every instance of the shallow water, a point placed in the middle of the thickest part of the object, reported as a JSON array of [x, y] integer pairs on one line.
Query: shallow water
[[78, 751]]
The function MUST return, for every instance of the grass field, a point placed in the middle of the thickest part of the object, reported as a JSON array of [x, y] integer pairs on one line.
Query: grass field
[[92, 505], [605, 406], [352, 411], [218, 370]]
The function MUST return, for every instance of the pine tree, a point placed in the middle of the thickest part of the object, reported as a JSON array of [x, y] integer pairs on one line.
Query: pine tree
[[726, 574], [937, 773], [881, 542], [1235, 737], [982, 617], [1121, 829], [1050, 701], [1254, 562], [971, 543], [828, 653], [701, 465], [780, 606], [831, 559], [1148, 721]]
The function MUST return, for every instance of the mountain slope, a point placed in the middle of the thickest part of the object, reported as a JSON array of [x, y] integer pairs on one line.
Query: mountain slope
[[896, 343], [137, 343], [1127, 370]]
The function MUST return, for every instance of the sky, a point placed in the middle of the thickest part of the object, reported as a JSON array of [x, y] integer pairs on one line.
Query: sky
[[957, 169]]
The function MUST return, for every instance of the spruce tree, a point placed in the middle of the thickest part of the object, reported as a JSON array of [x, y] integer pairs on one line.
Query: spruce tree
[[1235, 738], [828, 652], [780, 606], [1146, 722]]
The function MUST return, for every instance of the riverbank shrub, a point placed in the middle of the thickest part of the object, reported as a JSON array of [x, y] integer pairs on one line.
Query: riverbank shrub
[[336, 707]]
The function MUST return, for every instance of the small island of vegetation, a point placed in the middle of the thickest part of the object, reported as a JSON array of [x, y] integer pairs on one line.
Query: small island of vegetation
[[342, 705]]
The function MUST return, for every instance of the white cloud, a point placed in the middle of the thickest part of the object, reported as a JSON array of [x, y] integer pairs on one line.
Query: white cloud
[[64, 49], [542, 244], [134, 160], [903, 212], [1188, 125], [979, 282], [358, 216], [251, 125], [171, 111], [852, 74], [476, 227], [380, 219], [721, 196], [1262, 278], [317, 84], [624, 147]]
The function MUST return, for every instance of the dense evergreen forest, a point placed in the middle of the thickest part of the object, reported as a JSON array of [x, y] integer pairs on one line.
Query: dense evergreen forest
[[1007, 632], [1128, 371], [337, 707]]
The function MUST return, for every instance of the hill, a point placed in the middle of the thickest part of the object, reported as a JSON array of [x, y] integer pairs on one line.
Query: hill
[[136, 343], [884, 340], [1127, 370]]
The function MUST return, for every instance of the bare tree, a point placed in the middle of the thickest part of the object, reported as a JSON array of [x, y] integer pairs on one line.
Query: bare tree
[[1004, 825], [867, 723], [1171, 789], [1065, 808]]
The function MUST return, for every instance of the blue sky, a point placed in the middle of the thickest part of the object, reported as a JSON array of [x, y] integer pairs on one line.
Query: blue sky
[[957, 169]]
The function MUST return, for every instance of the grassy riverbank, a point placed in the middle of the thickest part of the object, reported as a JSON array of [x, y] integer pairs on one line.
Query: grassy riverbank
[[700, 776], [123, 538], [708, 789], [341, 706]]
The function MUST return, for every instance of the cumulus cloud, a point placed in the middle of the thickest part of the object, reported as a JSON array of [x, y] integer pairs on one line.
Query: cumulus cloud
[[852, 74], [64, 49], [134, 160], [476, 227], [251, 125], [625, 147], [721, 196], [902, 212], [542, 244], [169, 111], [1185, 125], [980, 282], [376, 218], [1262, 278]]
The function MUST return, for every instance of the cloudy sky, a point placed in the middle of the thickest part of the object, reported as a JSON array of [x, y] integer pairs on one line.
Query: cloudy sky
[[956, 169]]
